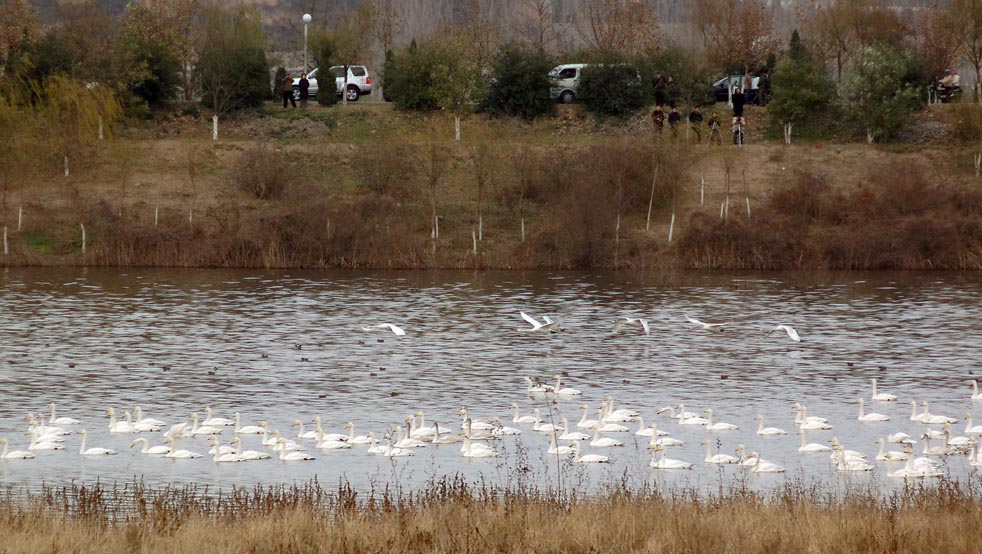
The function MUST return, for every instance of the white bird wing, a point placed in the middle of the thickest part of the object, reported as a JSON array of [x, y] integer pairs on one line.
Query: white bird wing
[[535, 324], [791, 333], [618, 323], [694, 320], [644, 325], [394, 328]]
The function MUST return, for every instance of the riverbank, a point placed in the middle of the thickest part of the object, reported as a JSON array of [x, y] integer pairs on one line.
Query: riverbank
[[363, 186], [452, 516]]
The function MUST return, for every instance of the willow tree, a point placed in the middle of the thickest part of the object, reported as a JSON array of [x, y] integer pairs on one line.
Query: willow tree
[[74, 116]]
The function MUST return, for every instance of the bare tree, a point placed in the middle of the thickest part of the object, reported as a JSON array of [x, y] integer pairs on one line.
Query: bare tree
[[619, 27], [825, 27], [967, 17], [387, 27], [934, 38], [536, 24], [737, 33]]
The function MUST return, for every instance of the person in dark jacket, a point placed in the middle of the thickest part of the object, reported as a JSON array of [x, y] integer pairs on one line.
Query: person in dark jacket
[[739, 100], [659, 90], [286, 87], [304, 86], [673, 92], [695, 123], [674, 118], [658, 122]]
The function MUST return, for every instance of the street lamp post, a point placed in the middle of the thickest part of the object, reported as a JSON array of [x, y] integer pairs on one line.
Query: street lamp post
[[306, 20]]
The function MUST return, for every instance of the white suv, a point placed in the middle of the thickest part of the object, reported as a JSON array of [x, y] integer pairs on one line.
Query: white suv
[[359, 82]]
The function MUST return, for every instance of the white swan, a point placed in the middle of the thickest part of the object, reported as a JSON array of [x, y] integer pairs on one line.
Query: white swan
[[842, 463], [719, 426], [202, 430], [914, 415], [571, 435], [503, 430], [661, 462], [969, 428], [329, 444], [16, 454], [305, 435], [407, 441], [477, 450], [841, 451], [762, 466], [932, 450], [718, 458], [140, 427], [292, 455], [118, 426], [645, 430], [556, 450], [761, 430], [606, 427], [94, 451], [248, 455], [976, 396], [975, 457], [45, 429], [548, 325], [564, 392], [54, 420], [178, 431], [801, 415], [585, 423], [747, 459], [392, 452], [713, 327], [360, 439], [621, 415], [218, 448], [934, 419], [589, 458], [443, 438], [37, 444], [138, 414], [872, 416], [810, 447], [885, 455], [881, 396], [374, 448], [912, 470], [659, 438], [792, 334], [151, 450], [621, 322], [247, 429], [474, 424], [216, 421], [38, 437], [395, 329], [900, 437], [603, 442], [422, 431], [520, 418], [179, 454], [539, 426]]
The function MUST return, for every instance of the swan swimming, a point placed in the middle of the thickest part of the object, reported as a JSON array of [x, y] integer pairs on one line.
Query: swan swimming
[[761, 430], [589, 458], [661, 462], [881, 396], [16, 454], [872, 416], [718, 458], [94, 451]]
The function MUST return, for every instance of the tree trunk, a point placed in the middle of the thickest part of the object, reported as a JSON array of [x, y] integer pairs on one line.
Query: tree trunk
[[651, 199], [456, 126]]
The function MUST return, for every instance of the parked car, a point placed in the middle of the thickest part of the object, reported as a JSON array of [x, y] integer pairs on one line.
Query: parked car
[[567, 77], [359, 82], [721, 88]]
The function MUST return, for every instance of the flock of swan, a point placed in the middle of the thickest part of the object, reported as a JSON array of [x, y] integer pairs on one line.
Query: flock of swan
[[602, 429]]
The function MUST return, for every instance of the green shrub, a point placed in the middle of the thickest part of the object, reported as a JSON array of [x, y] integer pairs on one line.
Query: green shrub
[[520, 84], [611, 89], [232, 67]]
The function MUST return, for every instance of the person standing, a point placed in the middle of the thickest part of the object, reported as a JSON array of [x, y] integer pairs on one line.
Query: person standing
[[739, 100], [695, 123], [714, 133], [659, 90], [674, 118], [304, 90], [658, 122], [286, 87], [673, 92]]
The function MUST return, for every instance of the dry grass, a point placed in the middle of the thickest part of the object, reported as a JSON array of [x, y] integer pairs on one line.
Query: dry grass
[[452, 516], [360, 196]]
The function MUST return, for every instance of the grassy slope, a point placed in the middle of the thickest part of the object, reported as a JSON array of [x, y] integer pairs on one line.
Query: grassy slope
[[330, 216]]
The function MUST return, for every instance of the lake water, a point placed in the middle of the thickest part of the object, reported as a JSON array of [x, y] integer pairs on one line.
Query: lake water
[[92, 339]]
